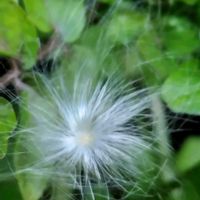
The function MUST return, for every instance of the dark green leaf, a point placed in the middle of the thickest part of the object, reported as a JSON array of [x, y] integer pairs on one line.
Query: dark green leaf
[[189, 2], [9, 191]]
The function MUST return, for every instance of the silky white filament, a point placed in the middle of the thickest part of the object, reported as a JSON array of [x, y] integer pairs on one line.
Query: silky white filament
[[87, 134]]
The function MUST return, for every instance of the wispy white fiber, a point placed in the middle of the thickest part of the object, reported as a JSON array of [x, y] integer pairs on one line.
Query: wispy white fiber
[[87, 133]]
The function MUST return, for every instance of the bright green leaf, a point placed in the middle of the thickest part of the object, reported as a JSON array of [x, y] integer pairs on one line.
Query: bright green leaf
[[67, 17], [7, 124], [9, 17], [189, 156], [18, 36], [30, 48], [181, 90], [38, 14]]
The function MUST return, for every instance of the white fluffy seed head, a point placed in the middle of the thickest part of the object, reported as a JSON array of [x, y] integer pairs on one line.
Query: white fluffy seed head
[[88, 133]]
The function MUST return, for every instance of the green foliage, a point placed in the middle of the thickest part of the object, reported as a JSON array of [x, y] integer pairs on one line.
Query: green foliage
[[191, 184], [32, 186], [9, 191], [190, 2], [189, 156], [180, 36], [155, 42], [7, 125], [124, 27], [18, 36], [67, 17], [156, 65], [181, 90], [40, 19]]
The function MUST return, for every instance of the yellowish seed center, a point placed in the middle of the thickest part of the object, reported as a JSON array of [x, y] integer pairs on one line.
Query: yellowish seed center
[[85, 139]]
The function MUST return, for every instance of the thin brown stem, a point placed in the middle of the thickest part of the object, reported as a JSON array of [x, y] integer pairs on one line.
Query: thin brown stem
[[49, 47], [11, 75]]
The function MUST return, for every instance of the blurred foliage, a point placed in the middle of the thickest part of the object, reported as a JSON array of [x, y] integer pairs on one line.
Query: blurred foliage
[[7, 125], [17, 35], [153, 41], [186, 98], [191, 152]]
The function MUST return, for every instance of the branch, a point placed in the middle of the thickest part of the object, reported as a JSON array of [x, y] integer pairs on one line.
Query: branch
[[11, 75]]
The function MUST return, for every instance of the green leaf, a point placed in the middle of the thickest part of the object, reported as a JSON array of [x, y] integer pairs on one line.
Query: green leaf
[[38, 14], [180, 36], [181, 90], [67, 17], [31, 184], [30, 48], [189, 189], [9, 17], [9, 191], [7, 124], [90, 60], [188, 157], [154, 64], [95, 41], [124, 27], [189, 2], [95, 38], [18, 37], [108, 1], [192, 176]]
